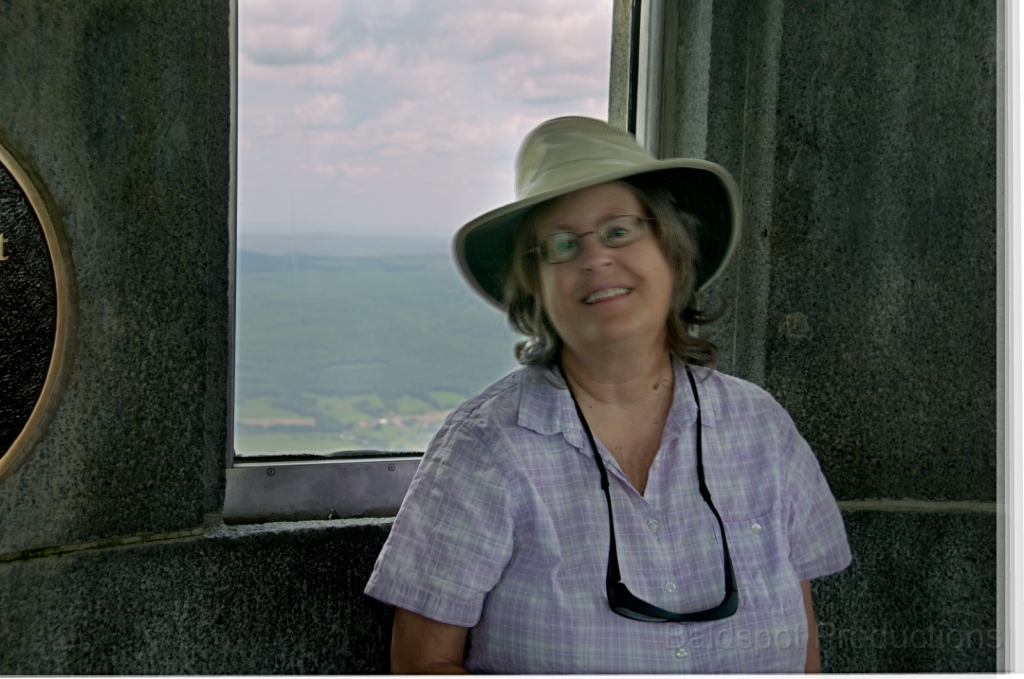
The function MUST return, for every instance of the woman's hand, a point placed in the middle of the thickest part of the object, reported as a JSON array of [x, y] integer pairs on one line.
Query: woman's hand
[[420, 645], [813, 664]]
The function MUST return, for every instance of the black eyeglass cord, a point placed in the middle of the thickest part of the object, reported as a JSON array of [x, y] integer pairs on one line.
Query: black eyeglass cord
[[620, 599]]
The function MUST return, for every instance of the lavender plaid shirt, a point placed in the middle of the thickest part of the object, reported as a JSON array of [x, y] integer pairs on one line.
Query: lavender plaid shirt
[[505, 530]]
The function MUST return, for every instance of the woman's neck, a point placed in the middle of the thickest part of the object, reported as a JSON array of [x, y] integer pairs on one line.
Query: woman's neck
[[622, 380]]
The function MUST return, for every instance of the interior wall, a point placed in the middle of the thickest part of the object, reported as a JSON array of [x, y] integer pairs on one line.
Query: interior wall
[[112, 555], [863, 294], [121, 110]]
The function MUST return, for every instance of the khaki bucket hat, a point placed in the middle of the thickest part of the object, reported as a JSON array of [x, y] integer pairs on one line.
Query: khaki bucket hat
[[567, 154]]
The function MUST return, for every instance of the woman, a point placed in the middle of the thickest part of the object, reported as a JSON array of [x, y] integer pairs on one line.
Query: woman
[[615, 506]]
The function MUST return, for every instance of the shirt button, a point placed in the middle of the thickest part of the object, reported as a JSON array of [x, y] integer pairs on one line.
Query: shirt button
[[670, 587], [756, 529], [682, 653], [653, 525]]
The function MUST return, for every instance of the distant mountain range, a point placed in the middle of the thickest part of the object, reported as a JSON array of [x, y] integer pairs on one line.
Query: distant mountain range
[[342, 244]]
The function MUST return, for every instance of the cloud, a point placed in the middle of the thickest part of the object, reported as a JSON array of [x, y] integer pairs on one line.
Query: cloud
[[323, 111], [359, 102], [284, 33]]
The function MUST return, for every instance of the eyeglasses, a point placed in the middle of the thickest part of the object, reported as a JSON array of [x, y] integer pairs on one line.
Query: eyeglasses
[[620, 599], [617, 232]]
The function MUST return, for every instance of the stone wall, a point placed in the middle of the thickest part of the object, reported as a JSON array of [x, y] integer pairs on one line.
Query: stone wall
[[863, 294], [122, 110], [863, 297], [274, 598]]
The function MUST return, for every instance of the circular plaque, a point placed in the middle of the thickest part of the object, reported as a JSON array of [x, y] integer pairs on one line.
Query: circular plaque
[[33, 310]]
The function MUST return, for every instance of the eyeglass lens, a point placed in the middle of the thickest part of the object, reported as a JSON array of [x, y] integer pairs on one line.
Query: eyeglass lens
[[617, 232]]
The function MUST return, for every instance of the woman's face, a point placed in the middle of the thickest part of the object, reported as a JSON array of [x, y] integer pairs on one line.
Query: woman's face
[[606, 296]]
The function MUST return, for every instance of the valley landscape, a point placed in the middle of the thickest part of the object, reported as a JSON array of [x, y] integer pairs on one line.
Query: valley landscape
[[339, 354]]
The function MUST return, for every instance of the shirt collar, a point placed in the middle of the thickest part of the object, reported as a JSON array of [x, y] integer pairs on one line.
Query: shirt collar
[[546, 406]]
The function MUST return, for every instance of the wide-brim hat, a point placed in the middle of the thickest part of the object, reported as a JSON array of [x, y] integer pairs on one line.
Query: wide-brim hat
[[567, 154]]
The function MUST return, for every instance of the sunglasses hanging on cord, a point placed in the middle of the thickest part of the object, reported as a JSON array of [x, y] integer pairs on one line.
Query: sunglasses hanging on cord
[[620, 599]]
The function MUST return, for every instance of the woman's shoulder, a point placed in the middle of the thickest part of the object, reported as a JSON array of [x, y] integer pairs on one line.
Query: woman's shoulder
[[731, 398], [496, 396], [725, 386], [494, 408]]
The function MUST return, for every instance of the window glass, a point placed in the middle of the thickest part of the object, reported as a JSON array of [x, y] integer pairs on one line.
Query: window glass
[[369, 132]]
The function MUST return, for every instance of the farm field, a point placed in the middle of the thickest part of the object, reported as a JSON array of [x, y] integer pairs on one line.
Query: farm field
[[340, 354]]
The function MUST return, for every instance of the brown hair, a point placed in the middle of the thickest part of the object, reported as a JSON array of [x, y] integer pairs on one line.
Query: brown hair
[[676, 234]]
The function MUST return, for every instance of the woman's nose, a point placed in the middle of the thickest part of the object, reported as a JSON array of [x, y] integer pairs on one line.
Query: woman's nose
[[595, 253]]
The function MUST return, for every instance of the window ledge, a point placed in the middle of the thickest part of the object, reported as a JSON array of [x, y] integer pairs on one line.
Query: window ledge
[[241, 531], [265, 491]]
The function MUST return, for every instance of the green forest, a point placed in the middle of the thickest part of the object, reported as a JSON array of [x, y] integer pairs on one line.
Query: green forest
[[364, 353]]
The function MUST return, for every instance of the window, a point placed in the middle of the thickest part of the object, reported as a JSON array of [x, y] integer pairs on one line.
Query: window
[[369, 131]]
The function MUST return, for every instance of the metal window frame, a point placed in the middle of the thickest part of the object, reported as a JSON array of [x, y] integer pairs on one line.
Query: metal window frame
[[373, 483], [646, 58]]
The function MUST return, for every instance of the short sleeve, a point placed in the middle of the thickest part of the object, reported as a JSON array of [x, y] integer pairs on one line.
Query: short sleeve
[[817, 537], [453, 534]]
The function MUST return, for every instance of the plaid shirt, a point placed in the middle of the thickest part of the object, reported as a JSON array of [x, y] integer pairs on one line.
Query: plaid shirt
[[505, 530]]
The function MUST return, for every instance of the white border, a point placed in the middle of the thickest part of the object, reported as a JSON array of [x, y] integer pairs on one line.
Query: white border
[[1013, 415]]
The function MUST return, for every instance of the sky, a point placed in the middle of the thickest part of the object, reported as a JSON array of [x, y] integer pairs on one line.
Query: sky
[[403, 116]]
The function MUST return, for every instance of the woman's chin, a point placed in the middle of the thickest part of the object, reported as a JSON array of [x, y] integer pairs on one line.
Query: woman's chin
[[613, 337]]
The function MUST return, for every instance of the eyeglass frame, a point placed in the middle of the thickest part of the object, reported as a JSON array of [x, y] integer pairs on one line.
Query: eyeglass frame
[[620, 599], [641, 221]]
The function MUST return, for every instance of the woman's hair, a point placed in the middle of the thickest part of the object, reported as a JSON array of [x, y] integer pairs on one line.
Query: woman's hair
[[676, 234]]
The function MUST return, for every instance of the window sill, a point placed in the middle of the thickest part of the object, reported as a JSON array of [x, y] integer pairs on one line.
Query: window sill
[[284, 490]]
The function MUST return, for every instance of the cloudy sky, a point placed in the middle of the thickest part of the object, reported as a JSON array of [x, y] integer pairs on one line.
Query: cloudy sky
[[403, 115]]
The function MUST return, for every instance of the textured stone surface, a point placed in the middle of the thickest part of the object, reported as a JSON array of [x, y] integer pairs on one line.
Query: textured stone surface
[[281, 601], [122, 110], [863, 294], [881, 336], [862, 135], [920, 595], [618, 92], [742, 116], [286, 598]]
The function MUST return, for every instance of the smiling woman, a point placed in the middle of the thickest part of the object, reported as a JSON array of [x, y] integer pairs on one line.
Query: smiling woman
[[368, 131], [554, 514], [605, 296]]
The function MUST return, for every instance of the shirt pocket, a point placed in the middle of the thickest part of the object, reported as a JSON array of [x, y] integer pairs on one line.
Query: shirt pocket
[[765, 579]]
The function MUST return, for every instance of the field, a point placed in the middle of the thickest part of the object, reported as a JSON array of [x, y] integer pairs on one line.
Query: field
[[360, 353]]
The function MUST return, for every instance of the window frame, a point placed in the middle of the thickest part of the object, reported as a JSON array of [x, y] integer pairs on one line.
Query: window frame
[[374, 483]]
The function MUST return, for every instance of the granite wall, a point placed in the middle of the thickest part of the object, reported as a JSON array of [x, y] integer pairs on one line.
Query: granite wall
[[121, 109], [863, 297]]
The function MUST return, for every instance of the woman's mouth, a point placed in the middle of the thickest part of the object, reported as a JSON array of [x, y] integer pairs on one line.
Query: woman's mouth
[[605, 294]]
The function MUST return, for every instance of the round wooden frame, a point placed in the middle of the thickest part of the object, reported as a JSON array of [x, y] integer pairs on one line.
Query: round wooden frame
[[18, 448]]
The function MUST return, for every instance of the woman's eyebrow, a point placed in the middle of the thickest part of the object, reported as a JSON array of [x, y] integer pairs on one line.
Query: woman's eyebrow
[[611, 213]]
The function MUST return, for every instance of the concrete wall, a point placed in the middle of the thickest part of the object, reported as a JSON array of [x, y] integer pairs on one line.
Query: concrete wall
[[112, 558], [865, 286], [863, 296], [276, 598], [121, 109]]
